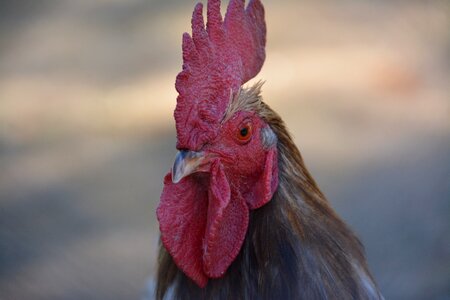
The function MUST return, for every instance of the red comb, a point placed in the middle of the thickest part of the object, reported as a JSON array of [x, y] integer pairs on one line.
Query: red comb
[[216, 62]]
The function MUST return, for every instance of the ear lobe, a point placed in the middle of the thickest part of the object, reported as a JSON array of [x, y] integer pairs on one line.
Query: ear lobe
[[267, 184]]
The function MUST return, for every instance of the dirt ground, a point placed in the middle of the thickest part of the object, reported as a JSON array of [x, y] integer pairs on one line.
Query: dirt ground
[[87, 134]]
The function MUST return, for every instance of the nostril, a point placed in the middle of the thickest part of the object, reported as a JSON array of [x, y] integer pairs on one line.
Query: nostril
[[183, 152], [197, 148]]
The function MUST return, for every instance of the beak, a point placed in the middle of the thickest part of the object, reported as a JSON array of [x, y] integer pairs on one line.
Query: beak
[[186, 163]]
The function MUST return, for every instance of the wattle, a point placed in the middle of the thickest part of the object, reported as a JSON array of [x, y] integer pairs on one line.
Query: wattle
[[203, 223], [203, 218]]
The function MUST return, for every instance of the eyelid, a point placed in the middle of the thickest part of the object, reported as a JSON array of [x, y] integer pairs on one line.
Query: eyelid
[[246, 121], [244, 124]]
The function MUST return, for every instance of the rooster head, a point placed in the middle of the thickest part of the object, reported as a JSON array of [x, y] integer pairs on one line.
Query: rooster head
[[227, 159]]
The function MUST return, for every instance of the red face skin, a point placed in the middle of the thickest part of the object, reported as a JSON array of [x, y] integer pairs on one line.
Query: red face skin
[[204, 217], [242, 156]]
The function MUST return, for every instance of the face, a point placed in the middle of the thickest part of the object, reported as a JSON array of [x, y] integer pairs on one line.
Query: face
[[240, 147]]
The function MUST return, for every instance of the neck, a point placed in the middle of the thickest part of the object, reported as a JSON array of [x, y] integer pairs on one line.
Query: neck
[[295, 247]]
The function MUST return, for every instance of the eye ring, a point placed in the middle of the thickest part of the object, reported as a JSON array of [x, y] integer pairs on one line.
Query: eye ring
[[244, 132]]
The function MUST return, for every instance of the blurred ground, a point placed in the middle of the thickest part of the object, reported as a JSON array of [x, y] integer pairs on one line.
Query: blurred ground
[[86, 135]]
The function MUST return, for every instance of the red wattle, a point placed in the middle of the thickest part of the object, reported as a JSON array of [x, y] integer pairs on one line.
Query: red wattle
[[182, 220], [203, 221], [226, 226]]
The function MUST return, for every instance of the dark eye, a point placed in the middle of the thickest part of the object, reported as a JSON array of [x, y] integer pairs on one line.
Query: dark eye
[[244, 132]]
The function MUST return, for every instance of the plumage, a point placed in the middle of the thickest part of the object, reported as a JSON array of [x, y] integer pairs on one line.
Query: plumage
[[240, 215]]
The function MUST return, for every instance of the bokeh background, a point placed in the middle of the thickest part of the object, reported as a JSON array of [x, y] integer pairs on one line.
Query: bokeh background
[[87, 134]]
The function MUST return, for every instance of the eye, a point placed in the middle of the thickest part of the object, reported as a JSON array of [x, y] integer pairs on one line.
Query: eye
[[244, 132]]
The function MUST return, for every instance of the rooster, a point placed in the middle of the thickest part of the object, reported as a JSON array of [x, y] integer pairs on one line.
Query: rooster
[[240, 216]]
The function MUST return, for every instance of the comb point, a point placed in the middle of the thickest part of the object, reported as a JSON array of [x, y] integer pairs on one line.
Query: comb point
[[189, 51], [214, 23]]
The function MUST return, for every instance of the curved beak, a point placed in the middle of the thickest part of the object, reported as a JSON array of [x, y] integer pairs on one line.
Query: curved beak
[[186, 163]]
